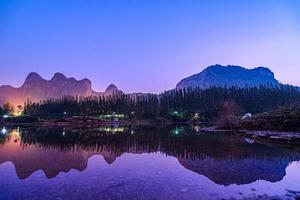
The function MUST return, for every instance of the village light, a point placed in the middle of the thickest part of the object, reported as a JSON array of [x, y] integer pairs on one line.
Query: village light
[[18, 132], [4, 131], [197, 128], [177, 131], [65, 113], [5, 116], [64, 132]]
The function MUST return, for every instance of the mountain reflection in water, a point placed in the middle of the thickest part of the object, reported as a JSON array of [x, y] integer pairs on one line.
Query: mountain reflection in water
[[223, 158]]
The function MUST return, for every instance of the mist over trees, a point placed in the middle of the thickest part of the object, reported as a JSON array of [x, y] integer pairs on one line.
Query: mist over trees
[[181, 104]]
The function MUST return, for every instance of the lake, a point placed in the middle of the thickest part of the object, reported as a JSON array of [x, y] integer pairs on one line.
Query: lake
[[173, 162]]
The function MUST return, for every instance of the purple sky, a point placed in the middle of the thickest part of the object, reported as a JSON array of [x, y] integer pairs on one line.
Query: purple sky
[[144, 45]]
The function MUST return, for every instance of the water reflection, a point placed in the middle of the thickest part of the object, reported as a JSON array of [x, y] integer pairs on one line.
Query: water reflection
[[223, 158]]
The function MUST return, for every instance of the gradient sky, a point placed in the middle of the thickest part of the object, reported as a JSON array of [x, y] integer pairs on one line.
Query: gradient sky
[[144, 45]]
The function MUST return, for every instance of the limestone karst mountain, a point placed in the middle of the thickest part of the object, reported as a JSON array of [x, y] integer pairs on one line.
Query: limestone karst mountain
[[228, 76], [35, 88]]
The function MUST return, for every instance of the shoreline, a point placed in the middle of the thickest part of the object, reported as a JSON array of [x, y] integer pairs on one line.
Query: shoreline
[[290, 140], [89, 122], [281, 137], [85, 123]]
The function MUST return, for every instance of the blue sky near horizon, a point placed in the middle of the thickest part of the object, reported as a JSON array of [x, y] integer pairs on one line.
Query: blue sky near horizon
[[144, 45]]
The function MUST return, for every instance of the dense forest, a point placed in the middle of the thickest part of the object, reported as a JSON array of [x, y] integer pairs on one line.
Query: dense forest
[[177, 104]]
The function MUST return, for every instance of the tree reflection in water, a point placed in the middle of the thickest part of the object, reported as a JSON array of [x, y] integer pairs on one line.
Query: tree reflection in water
[[225, 158]]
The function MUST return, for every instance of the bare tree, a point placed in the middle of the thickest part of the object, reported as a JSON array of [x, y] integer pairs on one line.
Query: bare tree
[[228, 115], [8, 108]]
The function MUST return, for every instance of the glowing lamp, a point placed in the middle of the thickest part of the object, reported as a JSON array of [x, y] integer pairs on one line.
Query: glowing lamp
[[4, 131]]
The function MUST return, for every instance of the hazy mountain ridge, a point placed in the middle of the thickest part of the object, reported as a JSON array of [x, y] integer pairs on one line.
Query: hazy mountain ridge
[[228, 76], [36, 88]]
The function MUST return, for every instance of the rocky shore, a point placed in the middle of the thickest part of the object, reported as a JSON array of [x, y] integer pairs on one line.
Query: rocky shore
[[284, 139], [274, 135]]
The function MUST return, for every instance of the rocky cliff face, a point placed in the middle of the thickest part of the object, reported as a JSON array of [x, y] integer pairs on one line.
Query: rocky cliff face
[[36, 88], [111, 90], [228, 76]]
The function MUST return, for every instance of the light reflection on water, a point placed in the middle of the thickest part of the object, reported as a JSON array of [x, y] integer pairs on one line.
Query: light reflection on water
[[151, 163]]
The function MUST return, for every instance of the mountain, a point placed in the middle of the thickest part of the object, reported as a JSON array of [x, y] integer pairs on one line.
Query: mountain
[[238, 171], [227, 76], [31, 158], [112, 89], [35, 88], [234, 161]]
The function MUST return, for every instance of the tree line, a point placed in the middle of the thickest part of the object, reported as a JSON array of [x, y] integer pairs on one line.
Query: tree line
[[181, 104]]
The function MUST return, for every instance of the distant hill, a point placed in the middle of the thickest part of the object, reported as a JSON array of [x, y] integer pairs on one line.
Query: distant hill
[[228, 76], [36, 88]]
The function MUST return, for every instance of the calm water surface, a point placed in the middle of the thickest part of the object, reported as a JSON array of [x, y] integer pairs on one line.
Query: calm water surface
[[143, 163]]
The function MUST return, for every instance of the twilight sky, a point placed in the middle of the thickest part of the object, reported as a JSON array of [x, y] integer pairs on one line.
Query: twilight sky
[[146, 45]]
